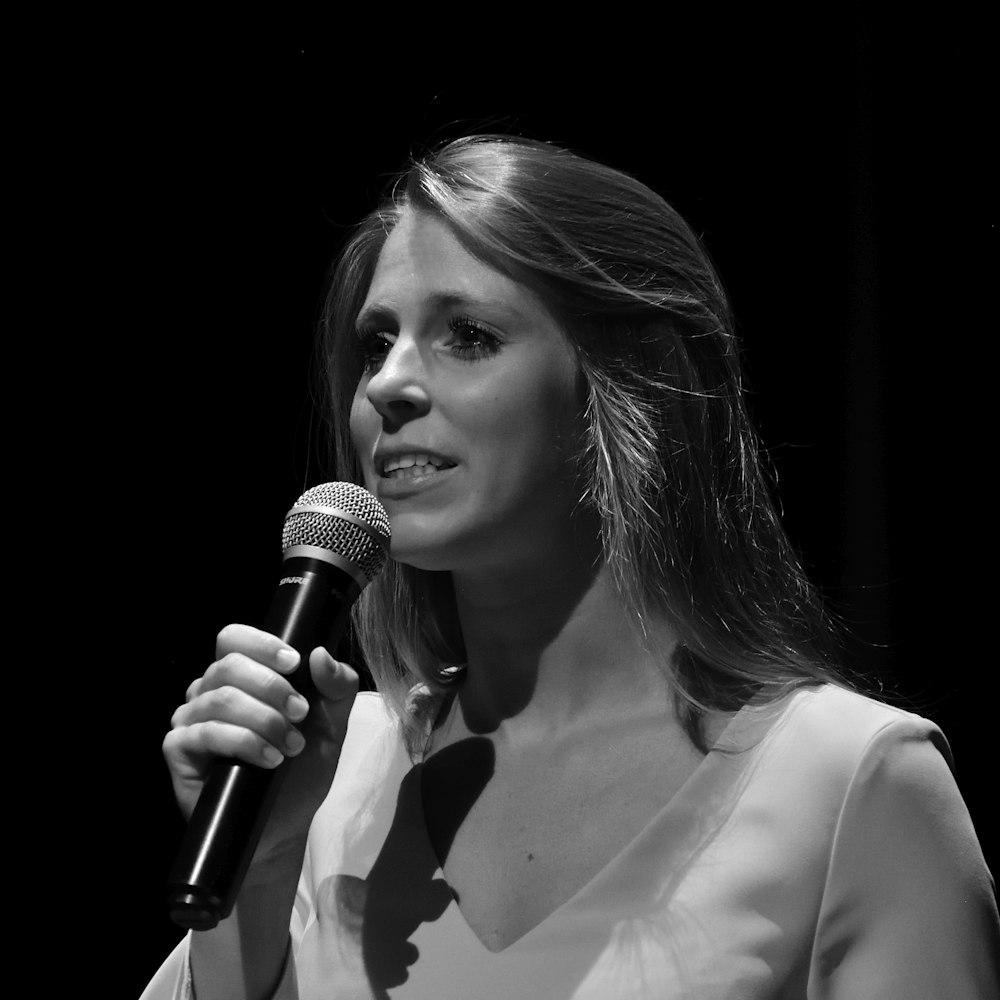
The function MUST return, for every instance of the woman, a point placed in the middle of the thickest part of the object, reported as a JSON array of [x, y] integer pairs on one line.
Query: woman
[[611, 755]]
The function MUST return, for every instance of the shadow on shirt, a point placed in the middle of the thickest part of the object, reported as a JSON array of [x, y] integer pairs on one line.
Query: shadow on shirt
[[378, 915]]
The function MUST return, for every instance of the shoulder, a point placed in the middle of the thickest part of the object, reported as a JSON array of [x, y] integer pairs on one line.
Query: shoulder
[[842, 717], [908, 903], [880, 780], [803, 758], [374, 739], [834, 729], [371, 718]]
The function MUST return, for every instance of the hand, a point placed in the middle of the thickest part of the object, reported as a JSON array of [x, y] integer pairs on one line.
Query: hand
[[245, 707]]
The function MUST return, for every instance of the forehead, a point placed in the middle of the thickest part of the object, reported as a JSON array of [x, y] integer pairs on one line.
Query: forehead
[[423, 260]]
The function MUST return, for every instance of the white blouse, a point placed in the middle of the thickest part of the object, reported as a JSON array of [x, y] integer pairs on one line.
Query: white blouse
[[828, 856]]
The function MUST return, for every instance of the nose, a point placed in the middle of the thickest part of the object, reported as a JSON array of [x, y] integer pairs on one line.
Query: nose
[[398, 389]]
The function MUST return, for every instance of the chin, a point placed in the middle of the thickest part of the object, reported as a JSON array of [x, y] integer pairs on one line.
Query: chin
[[423, 561], [437, 548], [420, 552]]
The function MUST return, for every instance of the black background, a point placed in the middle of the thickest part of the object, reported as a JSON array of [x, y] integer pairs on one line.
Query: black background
[[189, 193]]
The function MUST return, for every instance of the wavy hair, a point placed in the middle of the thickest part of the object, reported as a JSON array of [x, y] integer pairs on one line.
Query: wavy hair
[[671, 464]]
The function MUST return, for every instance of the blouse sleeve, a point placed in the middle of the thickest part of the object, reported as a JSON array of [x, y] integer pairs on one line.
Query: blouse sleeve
[[173, 979], [909, 908]]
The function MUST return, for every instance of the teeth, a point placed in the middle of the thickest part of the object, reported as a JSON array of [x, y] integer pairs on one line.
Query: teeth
[[413, 465], [413, 472]]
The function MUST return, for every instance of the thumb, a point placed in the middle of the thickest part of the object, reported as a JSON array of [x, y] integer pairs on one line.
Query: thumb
[[336, 682]]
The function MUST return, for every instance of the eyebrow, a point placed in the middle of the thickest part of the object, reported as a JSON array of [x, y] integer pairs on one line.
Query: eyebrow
[[378, 312]]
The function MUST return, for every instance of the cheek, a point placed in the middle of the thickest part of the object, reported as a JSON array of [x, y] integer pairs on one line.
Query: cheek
[[364, 425], [535, 418]]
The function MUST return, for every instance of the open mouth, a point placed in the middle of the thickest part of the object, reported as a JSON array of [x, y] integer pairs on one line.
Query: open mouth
[[414, 466]]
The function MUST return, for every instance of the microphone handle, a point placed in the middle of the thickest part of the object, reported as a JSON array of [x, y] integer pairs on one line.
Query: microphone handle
[[310, 607]]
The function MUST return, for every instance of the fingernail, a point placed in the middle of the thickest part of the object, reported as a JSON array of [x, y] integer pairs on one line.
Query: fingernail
[[296, 708], [272, 757], [287, 658], [295, 741]]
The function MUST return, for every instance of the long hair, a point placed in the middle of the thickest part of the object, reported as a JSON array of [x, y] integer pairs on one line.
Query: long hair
[[671, 464]]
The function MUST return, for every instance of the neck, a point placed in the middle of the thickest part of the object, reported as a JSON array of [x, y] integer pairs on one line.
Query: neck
[[554, 651]]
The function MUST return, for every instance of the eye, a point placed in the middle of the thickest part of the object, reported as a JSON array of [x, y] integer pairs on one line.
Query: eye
[[372, 346], [471, 340]]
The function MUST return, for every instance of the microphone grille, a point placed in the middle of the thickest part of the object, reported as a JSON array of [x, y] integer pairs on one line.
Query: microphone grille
[[364, 544]]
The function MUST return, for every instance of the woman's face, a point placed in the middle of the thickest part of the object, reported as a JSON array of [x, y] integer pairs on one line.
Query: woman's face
[[468, 413]]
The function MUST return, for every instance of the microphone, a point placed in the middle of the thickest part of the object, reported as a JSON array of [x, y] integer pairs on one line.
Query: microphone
[[335, 541]]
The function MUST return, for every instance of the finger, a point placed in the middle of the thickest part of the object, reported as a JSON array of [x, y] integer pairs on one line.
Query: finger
[[336, 682], [257, 645], [193, 688], [214, 738], [256, 679], [234, 707]]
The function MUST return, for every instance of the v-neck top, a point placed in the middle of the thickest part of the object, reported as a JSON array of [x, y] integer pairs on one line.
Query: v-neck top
[[822, 850]]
